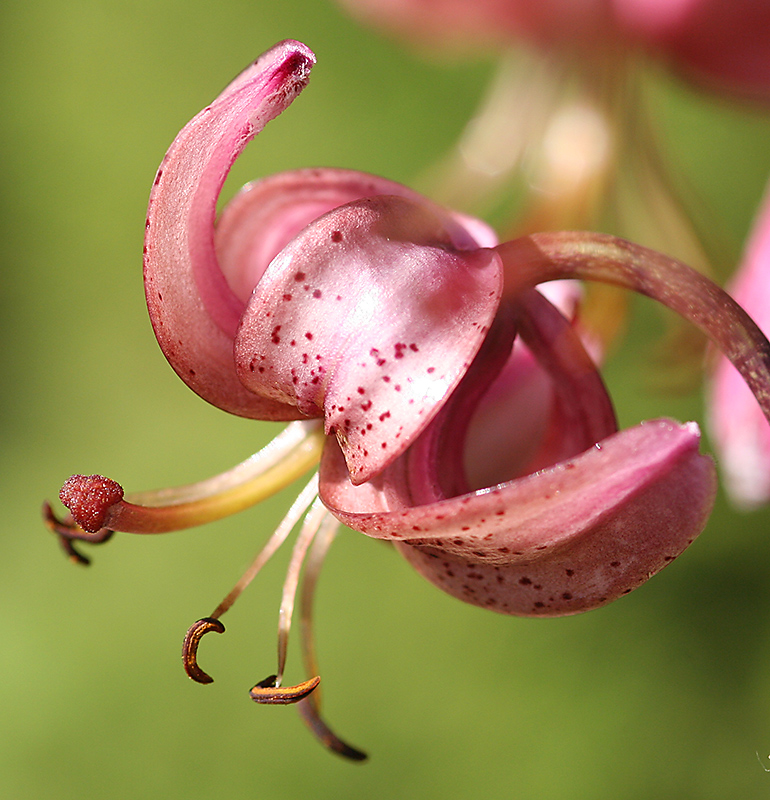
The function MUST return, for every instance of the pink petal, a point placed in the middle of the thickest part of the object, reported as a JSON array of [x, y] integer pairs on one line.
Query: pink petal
[[463, 23], [741, 431], [564, 540], [725, 45], [371, 314], [551, 382], [722, 43], [194, 312], [267, 214]]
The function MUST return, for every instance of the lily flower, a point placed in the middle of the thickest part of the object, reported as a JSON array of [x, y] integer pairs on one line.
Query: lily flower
[[453, 408], [724, 45], [566, 128]]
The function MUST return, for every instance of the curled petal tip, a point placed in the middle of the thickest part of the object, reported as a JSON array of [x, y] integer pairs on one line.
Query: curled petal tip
[[193, 309]]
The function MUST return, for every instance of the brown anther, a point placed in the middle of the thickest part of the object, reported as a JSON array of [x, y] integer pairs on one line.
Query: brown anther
[[267, 692], [308, 710], [89, 498], [190, 647], [66, 530]]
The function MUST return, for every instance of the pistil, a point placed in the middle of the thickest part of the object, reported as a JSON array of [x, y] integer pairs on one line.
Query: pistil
[[97, 505]]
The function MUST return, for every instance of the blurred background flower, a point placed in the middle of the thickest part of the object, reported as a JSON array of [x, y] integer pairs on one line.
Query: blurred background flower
[[665, 693], [569, 138]]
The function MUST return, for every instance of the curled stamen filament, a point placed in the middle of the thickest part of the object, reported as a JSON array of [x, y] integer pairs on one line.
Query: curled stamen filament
[[197, 630], [310, 707]]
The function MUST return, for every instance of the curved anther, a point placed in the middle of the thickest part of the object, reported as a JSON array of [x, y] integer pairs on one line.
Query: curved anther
[[308, 710], [66, 530], [190, 647], [267, 692]]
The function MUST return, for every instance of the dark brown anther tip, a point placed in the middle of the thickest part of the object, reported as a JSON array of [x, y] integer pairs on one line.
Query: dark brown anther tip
[[89, 498], [308, 710], [190, 647], [66, 531], [268, 693]]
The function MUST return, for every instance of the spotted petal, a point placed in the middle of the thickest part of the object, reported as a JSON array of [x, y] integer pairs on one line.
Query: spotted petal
[[194, 311], [371, 315], [268, 213], [585, 530], [560, 541]]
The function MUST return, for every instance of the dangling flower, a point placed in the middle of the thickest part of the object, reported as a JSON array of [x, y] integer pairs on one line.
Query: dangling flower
[[566, 129], [454, 409], [722, 44]]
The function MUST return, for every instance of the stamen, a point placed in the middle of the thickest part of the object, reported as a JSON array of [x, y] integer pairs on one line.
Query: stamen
[[310, 528], [293, 515], [203, 626], [190, 647], [268, 693], [310, 708], [270, 690]]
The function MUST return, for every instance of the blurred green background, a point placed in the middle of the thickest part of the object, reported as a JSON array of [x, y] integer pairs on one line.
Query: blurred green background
[[663, 694]]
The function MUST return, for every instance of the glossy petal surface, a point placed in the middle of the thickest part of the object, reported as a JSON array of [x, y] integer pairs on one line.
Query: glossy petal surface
[[267, 214], [371, 316], [563, 540], [193, 310]]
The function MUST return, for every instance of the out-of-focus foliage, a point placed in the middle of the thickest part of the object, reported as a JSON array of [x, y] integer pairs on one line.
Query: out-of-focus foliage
[[665, 693]]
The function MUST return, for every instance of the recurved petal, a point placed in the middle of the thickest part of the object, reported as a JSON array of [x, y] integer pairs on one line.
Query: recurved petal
[[560, 541], [267, 214], [550, 381], [194, 311], [372, 315]]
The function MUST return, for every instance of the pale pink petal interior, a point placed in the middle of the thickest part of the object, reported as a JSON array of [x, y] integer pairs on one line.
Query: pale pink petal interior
[[193, 310]]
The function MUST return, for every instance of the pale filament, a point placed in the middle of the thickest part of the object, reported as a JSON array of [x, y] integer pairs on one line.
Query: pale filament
[[312, 525], [310, 707], [293, 516], [327, 533]]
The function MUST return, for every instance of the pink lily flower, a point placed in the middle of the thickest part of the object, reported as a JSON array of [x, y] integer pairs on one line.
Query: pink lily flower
[[724, 45], [741, 434], [390, 331]]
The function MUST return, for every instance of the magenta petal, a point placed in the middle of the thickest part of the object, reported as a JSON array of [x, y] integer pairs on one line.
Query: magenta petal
[[551, 382], [193, 310], [371, 315], [560, 541]]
